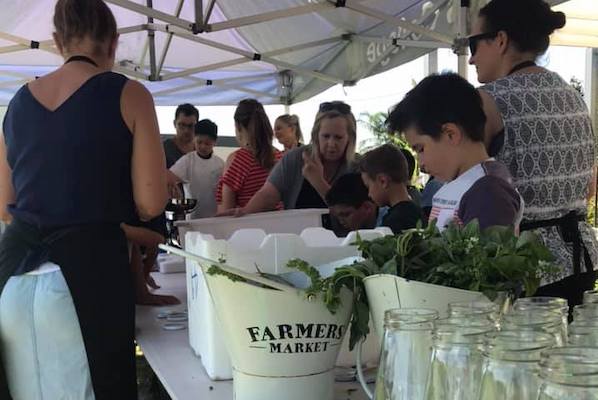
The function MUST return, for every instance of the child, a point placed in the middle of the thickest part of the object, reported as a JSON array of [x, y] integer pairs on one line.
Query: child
[[200, 169], [349, 202], [443, 121], [384, 172]]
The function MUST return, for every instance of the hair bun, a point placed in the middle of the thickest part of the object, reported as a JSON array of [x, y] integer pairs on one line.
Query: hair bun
[[557, 20]]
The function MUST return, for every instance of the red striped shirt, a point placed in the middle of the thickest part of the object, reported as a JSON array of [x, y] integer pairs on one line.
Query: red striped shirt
[[244, 176]]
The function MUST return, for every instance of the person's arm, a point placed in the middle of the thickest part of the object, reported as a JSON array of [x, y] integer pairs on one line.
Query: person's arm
[[494, 124], [142, 294], [142, 236], [265, 199], [229, 197], [148, 164], [7, 191]]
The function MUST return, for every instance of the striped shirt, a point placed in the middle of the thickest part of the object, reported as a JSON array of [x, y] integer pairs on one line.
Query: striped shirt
[[245, 176]]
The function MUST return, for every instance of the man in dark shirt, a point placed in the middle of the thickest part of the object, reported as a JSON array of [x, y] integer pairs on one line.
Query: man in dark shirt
[[384, 172], [185, 118]]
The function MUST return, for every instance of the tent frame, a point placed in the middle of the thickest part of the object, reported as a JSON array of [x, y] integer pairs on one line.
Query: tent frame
[[151, 65]]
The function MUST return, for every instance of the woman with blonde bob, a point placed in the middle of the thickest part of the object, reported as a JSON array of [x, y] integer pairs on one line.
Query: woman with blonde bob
[[304, 175]]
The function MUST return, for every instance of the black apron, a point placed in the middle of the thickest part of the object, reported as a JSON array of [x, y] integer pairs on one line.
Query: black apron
[[95, 263]]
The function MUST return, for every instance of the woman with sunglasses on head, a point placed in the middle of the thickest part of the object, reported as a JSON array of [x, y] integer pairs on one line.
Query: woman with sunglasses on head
[[539, 126], [79, 154], [304, 175]]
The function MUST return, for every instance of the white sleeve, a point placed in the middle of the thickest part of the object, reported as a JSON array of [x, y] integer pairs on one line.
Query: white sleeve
[[181, 168]]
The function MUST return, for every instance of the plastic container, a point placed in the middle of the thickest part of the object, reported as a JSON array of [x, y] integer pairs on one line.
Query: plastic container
[[287, 221], [170, 263]]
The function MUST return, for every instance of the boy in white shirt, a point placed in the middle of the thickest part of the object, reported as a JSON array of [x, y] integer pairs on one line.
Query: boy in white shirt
[[200, 170], [443, 121]]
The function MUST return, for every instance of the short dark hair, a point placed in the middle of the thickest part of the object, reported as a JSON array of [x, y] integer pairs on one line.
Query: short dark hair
[[207, 128], [410, 162], [528, 23], [348, 190], [386, 159], [437, 100], [186, 109]]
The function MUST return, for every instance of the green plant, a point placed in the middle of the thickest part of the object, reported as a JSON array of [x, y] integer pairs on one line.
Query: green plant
[[490, 261], [376, 124]]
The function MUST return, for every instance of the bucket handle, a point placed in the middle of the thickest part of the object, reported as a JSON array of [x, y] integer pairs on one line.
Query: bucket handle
[[227, 268], [360, 377]]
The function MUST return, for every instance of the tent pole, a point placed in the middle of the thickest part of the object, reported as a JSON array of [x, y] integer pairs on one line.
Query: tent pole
[[431, 66], [199, 25], [151, 42], [461, 50], [209, 12], [177, 13]]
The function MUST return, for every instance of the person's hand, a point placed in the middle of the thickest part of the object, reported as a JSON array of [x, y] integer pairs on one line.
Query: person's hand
[[174, 191], [149, 280], [313, 170], [149, 299], [232, 212]]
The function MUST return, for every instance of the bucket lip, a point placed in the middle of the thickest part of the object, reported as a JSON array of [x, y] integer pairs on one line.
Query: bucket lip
[[325, 371], [379, 276]]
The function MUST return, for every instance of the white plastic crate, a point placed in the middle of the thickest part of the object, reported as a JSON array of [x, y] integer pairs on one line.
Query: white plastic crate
[[170, 263], [287, 221], [270, 252]]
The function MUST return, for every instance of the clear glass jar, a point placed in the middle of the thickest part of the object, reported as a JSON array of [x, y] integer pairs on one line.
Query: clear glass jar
[[584, 333], [482, 310], [545, 303], [457, 359], [590, 296], [585, 311], [406, 354], [569, 373], [511, 364], [538, 319]]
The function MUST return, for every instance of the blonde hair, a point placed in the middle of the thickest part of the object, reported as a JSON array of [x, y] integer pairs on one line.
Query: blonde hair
[[292, 120], [351, 131]]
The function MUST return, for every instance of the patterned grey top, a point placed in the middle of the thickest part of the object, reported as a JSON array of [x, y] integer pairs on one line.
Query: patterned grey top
[[549, 150]]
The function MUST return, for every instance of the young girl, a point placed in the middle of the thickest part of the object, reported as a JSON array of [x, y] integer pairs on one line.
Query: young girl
[[250, 165]]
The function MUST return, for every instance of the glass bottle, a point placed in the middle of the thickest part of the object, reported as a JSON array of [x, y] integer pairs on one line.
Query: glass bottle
[[538, 319], [457, 359], [590, 296], [510, 364], [405, 355], [569, 373]]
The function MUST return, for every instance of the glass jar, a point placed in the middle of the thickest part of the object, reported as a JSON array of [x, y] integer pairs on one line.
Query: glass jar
[[590, 296], [584, 333], [511, 364], [569, 373], [457, 359], [545, 303], [405, 355], [538, 319], [482, 310], [585, 311]]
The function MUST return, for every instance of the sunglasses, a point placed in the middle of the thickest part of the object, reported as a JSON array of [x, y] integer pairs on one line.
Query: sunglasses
[[475, 39], [339, 106]]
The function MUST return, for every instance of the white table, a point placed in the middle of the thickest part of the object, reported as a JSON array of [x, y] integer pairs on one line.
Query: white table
[[175, 364]]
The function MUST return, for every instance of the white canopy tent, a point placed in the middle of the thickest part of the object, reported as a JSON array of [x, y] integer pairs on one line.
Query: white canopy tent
[[216, 52]]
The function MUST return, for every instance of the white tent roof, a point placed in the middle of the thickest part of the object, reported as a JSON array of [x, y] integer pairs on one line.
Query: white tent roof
[[279, 51]]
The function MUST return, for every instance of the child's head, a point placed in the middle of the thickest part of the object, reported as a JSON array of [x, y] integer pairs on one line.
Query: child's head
[[206, 134], [382, 169], [349, 202], [443, 120]]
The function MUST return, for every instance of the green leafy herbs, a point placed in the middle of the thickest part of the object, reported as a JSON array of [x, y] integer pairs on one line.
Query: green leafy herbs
[[489, 261]]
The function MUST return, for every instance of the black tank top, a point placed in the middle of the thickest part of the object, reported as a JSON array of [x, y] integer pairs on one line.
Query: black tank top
[[72, 165]]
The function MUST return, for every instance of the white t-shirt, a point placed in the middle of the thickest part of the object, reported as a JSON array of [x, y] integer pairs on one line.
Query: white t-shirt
[[200, 177], [484, 192]]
